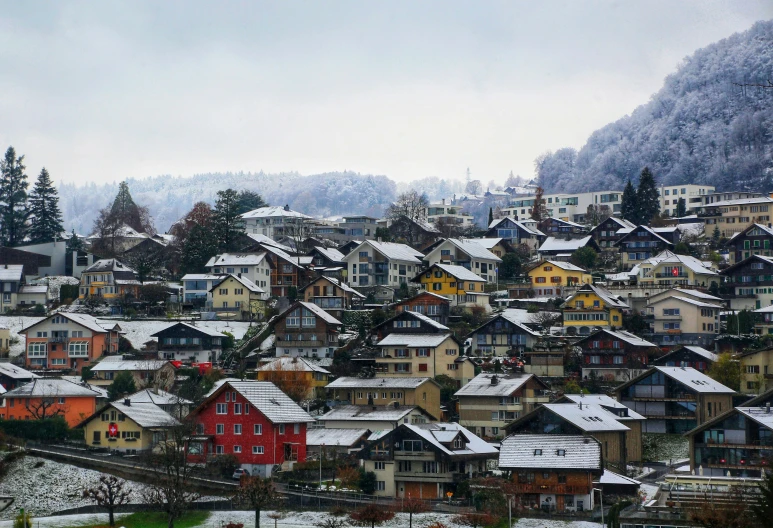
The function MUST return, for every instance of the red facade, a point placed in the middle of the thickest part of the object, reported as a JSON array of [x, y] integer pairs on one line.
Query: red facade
[[219, 418]]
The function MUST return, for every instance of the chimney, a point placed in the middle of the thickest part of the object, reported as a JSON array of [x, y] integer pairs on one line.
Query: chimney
[[287, 207], [767, 408], [580, 404], [443, 201], [127, 402], [239, 275], [494, 380], [378, 239]]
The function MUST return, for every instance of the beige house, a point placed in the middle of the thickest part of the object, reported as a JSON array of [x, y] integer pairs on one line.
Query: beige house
[[734, 216], [424, 392], [128, 427], [677, 318], [147, 373], [238, 296], [491, 401], [423, 355], [672, 270], [756, 370]]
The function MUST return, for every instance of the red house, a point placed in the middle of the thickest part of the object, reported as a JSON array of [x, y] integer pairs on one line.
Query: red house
[[253, 420]]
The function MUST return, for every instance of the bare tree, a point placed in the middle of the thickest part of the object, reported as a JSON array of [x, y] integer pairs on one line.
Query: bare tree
[[474, 187], [290, 378], [109, 494], [411, 204], [257, 493], [545, 320], [414, 505]]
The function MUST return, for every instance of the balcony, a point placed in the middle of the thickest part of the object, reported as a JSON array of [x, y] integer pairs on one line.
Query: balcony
[[559, 489], [414, 455], [411, 476], [671, 276], [673, 332], [78, 354], [58, 339]]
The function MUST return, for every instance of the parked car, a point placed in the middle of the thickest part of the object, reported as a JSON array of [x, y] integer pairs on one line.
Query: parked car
[[239, 473]]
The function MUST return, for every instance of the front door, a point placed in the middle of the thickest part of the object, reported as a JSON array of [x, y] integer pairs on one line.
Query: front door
[[97, 437]]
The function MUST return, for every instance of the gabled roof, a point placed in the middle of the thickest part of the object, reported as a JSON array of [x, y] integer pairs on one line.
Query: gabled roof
[[334, 437], [12, 371], [438, 434], [144, 414], [313, 308], [588, 417], [708, 355], [761, 227], [244, 281], [459, 272], [605, 295], [566, 222], [668, 257], [687, 300], [560, 244], [268, 241], [236, 259], [51, 387], [473, 249], [421, 317], [330, 253], [130, 365], [413, 340], [687, 376], [298, 262], [392, 251], [547, 451], [487, 385], [512, 315], [487, 243], [730, 269], [519, 224], [759, 415], [108, 265], [698, 293], [378, 383], [11, 272], [345, 287], [421, 293], [156, 397], [200, 329], [622, 335], [86, 321], [566, 266], [298, 364], [271, 211], [607, 402], [648, 229], [268, 399], [201, 276], [373, 413]]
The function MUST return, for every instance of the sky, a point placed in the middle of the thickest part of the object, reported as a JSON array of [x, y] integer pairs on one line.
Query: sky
[[103, 90]]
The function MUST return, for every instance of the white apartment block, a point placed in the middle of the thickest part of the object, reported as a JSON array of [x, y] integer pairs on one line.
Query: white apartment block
[[252, 266], [571, 207], [694, 197], [275, 222], [447, 213]]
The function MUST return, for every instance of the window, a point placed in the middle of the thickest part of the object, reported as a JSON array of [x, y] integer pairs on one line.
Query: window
[[257, 450], [237, 408], [219, 450], [412, 445], [220, 429], [380, 485], [221, 408], [281, 429], [379, 466], [258, 429], [223, 291], [297, 428], [538, 452], [239, 291], [237, 449], [237, 429], [560, 452]]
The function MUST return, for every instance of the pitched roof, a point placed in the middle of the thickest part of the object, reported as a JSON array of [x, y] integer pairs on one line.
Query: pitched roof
[[36, 288], [473, 249], [11, 272], [370, 383], [622, 335], [269, 400], [688, 300], [487, 385], [86, 321], [516, 316], [345, 287], [200, 329], [145, 414], [605, 295], [201, 276], [699, 294], [408, 301], [313, 308], [710, 356], [741, 201], [49, 387], [106, 265], [668, 257], [157, 397], [244, 281], [566, 266], [413, 340], [591, 417], [330, 253], [12, 371], [607, 402], [131, 365], [439, 433], [487, 243], [387, 413], [729, 269], [271, 211], [692, 378], [550, 451], [609, 477], [560, 244], [236, 259], [287, 363], [268, 241], [394, 251], [626, 232], [284, 255], [460, 272], [334, 437]]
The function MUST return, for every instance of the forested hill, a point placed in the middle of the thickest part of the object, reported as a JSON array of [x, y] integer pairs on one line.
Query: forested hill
[[701, 127], [169, 198]]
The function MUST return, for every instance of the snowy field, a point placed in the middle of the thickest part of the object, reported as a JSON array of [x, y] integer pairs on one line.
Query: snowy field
[[296, 520], [138, 332]]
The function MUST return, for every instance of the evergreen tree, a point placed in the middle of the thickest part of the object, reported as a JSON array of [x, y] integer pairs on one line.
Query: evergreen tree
[[46, 225], [628, 204], [539, 211], [227, 222], [74, 243], [200, 245], [13, 198], [716, 237], [647, 197], [249, 201], [125, 211], [490, 216], [681, 208]]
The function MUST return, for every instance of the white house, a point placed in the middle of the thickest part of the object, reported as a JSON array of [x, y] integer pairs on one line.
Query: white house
[[252, 266], [196, 287], [468, 254], [274, 221], [382, 263]]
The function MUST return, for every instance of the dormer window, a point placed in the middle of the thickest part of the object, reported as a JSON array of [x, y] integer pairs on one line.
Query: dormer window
[[538, 452], [458, 443], [560, 452]]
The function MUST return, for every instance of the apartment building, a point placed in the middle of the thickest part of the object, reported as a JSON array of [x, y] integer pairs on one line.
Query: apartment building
[[448, 214], [677, 318], [614, 355], [735, 216], [467, 254], [504, 335], [572, 207], [275, 222], [252, 266], [423, 355], [693, 195], [672, 270], [374, 263], [384, 392], [306, 330], [754, 240], [752, 283]]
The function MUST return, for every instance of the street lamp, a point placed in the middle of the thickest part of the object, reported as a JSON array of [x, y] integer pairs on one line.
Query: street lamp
[[601, 502]]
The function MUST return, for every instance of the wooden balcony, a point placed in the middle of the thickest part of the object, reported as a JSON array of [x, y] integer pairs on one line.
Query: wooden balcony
[[559, 489], [415, 476]]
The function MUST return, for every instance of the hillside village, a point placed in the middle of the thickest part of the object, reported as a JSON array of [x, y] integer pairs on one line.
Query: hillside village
[[569, 344]]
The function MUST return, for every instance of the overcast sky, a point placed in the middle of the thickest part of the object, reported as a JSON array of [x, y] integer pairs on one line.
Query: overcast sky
[[103, 91]]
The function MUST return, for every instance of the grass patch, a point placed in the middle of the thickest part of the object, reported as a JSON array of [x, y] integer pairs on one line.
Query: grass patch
[[191, 519], [664, 447]]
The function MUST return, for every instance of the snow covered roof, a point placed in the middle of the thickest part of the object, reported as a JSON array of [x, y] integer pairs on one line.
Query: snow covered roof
[[442, 433], [388, 413], [518, 317], [270, 400], [271, 211], [298, 262], [393, 251], [313, 308], [11, 272], [157, 397], [741, 201], [86, 321], [201, 329], [668, 257], [609, 477], [330, 253], [413, 340], [427, 320], [460, 272], [588, 417], [47, 387], [244, 281], [608, 403], [487, 243], [707, 354], [334, 437], [648, 229], [38, 288], [201, 276], [345, 287], [145, 414], [236, 259], [268, 241], [132, 365], [106, 265], [699, 294], [12, 371], [298, 364], [567, 223], [566, 266], [473, 249], [691, 378], [548, 451], [560, 244], [622, 335], [605, 295], [370, 383], [487, 385]]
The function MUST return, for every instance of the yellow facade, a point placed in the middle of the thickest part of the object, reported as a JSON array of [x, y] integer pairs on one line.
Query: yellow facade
[[674, 274], [101, 284], [586, 308], [130, 436], [232, 296], [558, 274], [441, 282], [755, 369], [293, 374]]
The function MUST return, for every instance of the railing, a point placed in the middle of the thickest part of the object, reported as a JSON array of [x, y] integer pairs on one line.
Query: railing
[[560, 489], [59, 339], [671, 275], [424, 476], [414, 454], [79, 354]]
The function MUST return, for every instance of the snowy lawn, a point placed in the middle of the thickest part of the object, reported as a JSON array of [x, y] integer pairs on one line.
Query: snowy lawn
[[665, 448]]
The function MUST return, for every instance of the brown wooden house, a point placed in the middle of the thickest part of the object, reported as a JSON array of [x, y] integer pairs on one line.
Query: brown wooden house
[[306, 330], [434, 306]]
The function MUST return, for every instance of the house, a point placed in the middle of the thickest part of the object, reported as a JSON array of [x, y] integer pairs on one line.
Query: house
[[606, 233], [549, 277], [490, 401], [688, 356], [359, 227], [673, 271], [614, 355], [332, 295], [641, 243], [736, 443], [675, 399], [763, 320], [254, 421], [448, 214], [467, 254], [188, 342], [754, 240], [128, 427], [11, 281], [275, 222], [555, 227], [417, 232], [239, 296], [383, 392], [516, 232], [545, 359], [332, 443], [408, 323], [736, 215], [255, 267], [434, 306], [683, 319], [12, 376], [31, 295], [287, 270], [196, 288], [756, 367], [425, 461], [498, 246], [382, 263], [109, 279], [752, 282], [68, 341], [150, 373], [170, 403], [592, 306], [306, 330], [298, 373], [326, 257], [583, 419], [374, 417], [48, 397], [562, 249], [423, 355], [552, 473], [506, 334], [460, 285]]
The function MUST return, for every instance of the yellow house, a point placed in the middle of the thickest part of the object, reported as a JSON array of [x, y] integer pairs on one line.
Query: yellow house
[[591, 307], [549, 277], [756, 367], [240, 296], [423, 355], [128, 427], [296, 376], [672, 270], [109, 279], [458, 284]]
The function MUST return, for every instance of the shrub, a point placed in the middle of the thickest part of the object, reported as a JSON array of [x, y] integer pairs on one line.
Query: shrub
[[223, 465]]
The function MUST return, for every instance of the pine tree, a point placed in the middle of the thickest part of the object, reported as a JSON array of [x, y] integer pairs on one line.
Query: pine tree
[[628, 210], [249, 201], [227, 222], [74, 243], [681, 208], [46, 224], [13, 198], [490, 216], [539, 210], [125, 210], [200, 245], [647, 197]]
